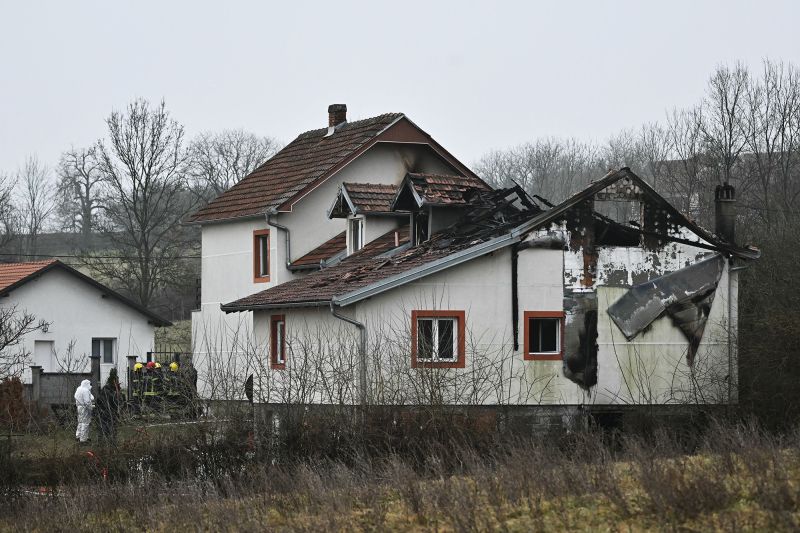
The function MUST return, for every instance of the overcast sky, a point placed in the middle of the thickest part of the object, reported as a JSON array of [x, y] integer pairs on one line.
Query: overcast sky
[[475, 75]]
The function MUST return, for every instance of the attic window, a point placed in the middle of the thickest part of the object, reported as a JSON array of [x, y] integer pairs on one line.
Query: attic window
[[355, 235], [437, 339]]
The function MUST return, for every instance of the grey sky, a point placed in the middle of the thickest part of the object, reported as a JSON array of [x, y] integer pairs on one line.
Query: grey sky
[[476, 75]]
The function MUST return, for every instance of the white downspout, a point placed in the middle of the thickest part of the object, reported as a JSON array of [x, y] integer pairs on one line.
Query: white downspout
[[362, 354]]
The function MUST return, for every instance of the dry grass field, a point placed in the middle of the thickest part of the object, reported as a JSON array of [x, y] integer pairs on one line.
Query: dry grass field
[[736, 479]]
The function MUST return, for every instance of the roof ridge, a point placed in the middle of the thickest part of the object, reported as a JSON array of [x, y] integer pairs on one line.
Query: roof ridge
[[348, 124], [42, 262]]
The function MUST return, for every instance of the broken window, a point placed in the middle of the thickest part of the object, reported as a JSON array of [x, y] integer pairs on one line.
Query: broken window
[[610, 233], [617, 222], [438, 338], [623, 211], [420, 227], [543, 332]]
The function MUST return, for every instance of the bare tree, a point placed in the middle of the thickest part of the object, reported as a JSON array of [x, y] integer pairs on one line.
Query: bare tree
[[685, 170], [724, 128], [8, 212], [80, 188], [551, 168], [37, 201], [14, 325], [771, 115], [143, 165], [219, 160]]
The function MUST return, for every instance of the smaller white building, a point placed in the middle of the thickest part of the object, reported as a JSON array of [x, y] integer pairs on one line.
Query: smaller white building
[[79, 317]]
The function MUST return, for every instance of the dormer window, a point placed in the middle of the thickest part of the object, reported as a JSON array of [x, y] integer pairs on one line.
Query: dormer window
[[355, 235]]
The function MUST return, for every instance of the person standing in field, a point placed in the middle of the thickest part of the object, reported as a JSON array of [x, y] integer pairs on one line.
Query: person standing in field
[[83, 401], [108, 407]]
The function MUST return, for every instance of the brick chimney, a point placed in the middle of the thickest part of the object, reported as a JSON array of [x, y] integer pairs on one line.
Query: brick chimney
[[725, 212], [337, 114]]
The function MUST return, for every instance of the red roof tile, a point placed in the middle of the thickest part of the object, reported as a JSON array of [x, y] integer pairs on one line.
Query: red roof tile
[[491, 214], [310, 157], [356, 270], [371, 197], [323, 252], [11, 273], [439, 189]]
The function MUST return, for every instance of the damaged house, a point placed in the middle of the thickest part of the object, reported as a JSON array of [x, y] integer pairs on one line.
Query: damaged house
[[416, 282]]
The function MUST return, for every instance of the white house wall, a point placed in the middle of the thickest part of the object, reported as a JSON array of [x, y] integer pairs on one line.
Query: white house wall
[[384, 163], [650, 369], [77, 311], [227, 247]]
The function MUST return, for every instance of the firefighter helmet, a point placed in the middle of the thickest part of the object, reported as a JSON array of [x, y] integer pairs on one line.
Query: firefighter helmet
[[138, 367], [158, 365], [151, 364], [173, 366]]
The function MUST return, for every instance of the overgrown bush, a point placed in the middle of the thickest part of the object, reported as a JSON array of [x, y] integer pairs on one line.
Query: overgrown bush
[[14, 410]]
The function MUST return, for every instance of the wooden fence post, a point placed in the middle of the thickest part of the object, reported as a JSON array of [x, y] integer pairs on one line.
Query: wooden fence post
[[95, 374], [36, 385], [129, 376]]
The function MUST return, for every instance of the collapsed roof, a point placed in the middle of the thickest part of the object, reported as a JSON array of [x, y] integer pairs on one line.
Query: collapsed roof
[[492, 214], [495, 219], [418, 189]]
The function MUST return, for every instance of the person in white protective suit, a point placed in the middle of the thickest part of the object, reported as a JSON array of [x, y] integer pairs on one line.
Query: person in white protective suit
[[83, 401]]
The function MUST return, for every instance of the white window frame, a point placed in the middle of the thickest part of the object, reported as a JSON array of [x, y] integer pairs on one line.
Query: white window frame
[[103, 349], [557, 320], [351, 242], [280, 342], [263, 255], [435, 333]]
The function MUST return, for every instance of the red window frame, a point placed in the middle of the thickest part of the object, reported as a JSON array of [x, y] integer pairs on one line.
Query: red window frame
[[543, 356], [460, 317], [257, 235], [275, 322]]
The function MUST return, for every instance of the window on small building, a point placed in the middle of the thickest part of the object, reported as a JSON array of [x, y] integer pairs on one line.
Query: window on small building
[[278, 342], [104, 349], [356, 234], [261, 256], [543, 334], [437, 339]]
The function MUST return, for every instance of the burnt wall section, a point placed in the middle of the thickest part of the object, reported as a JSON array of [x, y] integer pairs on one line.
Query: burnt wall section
[[580, 342], [622, 236]]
